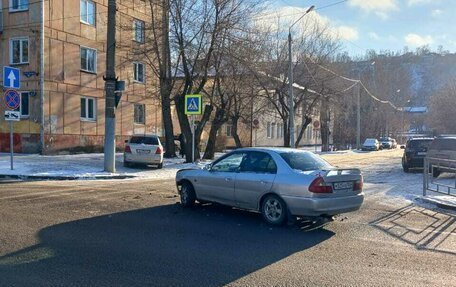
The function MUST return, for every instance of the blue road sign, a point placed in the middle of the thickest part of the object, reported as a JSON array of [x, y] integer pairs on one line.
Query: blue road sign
[[193, 105], [12, 99], [11, 78]]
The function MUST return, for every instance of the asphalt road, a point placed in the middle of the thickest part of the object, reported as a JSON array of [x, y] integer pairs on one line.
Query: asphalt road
[[134, 233]]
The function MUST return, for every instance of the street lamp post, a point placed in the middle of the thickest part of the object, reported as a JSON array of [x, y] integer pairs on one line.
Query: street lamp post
[[290, 80], [358, 112]]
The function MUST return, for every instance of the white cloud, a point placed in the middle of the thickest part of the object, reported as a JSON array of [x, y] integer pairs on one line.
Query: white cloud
[[280, 19], [379, 7], [417, 40], [436, 13], [374, 36], [346, 33]]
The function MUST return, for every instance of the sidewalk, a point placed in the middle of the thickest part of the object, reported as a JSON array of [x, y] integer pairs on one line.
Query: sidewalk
[[80, 166]]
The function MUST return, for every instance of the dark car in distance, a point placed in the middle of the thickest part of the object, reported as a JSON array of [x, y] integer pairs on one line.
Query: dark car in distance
[[415, 152]]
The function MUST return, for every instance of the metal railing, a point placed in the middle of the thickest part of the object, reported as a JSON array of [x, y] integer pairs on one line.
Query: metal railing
[[447, 185]]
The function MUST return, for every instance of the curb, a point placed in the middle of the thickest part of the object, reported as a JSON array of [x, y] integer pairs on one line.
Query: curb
[[438, 203], [41, 177]]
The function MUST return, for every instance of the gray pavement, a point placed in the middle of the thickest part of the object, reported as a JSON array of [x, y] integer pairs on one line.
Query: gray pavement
[[133, 233]]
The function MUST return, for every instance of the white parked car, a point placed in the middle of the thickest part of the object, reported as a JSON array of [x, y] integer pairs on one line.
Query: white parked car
[[143, 149], [371, 144]]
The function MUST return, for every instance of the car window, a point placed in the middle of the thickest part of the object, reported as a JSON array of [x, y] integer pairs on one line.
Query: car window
[[258, 162], [444, 144], [419, 143], [370, 141], [304, 161], [144, 140], [230, 163]]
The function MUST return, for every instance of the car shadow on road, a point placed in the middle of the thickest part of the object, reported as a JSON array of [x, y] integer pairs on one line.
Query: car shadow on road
[[159, 246], [423, 228]]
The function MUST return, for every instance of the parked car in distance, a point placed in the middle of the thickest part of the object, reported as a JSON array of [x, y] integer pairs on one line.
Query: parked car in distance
[[414, 152], [143, 149], [442, 154], [371, 144], [388, 142], [277, 182]]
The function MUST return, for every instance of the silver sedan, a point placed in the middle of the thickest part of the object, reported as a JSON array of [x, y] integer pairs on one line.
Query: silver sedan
[[278, 182]]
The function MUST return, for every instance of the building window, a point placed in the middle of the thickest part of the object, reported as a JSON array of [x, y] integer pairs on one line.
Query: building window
[[268, 130], [24, 107], [279, 131], [19, 51], [138, 31], [88, 109], [18, 5], [88, 60], [138, 71], [229, 130], [140, 114], [273, 125], [87, 12]]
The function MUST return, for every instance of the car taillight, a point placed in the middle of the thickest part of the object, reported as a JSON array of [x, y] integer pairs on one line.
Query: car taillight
[[319, 186], [158, 151], [358, 185], [127, 149]]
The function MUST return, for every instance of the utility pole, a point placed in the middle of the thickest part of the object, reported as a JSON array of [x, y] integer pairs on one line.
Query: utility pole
[[110, 87], [290, 81], [358, 117]]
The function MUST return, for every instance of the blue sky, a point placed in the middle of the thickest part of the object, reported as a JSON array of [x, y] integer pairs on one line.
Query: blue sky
[[385, 24]]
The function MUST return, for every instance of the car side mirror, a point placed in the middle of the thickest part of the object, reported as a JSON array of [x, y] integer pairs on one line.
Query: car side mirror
[[208, 167], [402, 146]]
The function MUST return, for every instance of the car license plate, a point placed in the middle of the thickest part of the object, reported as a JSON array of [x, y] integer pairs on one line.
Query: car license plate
[[343, 185], [143, 151], [421, 153]]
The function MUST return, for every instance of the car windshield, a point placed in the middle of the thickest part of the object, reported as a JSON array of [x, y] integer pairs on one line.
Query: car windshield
[[144, 140], [369, 142], [384, 139], [304, 161], [419, 143]]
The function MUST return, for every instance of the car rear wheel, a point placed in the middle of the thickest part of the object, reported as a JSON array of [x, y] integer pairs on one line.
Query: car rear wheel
[[274, 210], [405, 167], [187, 194], [160, 165], [127, 164]]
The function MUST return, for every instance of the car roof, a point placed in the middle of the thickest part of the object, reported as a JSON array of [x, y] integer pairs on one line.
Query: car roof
[[421, 139], [146, 136], [273, 149]]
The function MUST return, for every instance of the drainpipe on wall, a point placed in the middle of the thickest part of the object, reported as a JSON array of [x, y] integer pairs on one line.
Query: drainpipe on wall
[[42, 146]]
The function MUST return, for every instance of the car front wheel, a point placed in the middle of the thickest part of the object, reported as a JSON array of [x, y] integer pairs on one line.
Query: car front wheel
[[274, 210], [187, 194]]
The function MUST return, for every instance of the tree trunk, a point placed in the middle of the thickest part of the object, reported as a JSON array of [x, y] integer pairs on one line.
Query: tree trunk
[[185, 128], [286, 133], [217, 122], [234, 131], [306, 120], [324, 120], [170, 150]]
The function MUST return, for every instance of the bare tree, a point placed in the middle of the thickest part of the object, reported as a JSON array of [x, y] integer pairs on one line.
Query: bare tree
[[442, 116]]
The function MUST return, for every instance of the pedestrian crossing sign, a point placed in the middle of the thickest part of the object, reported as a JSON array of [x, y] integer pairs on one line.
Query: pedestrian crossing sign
[[193, 105]]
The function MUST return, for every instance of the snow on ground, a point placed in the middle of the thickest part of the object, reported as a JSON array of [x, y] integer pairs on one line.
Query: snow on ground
[[382, 170]]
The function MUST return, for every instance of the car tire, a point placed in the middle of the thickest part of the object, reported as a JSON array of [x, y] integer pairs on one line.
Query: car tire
[[160, 165], [187, 194], [274, 210], [406, 168], [435, 172], [127, 164]]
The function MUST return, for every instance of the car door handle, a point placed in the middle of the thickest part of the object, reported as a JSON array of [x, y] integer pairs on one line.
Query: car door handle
[[227, 178]]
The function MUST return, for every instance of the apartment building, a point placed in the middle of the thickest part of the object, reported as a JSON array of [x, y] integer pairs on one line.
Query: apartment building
[[62, 86]]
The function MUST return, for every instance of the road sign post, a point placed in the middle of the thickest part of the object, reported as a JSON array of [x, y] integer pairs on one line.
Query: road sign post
[[12, 102], [193, 106]]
